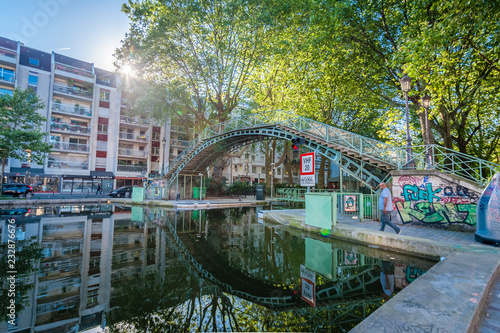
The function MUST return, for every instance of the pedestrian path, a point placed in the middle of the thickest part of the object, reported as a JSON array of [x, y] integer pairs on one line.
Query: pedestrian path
[[490, 315]]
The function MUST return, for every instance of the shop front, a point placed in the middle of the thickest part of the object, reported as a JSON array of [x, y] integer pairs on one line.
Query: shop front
[[106, 180], [36, 178], [129, 181]]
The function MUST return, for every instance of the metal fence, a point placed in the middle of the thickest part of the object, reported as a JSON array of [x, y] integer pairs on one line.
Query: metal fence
[[355, 206]]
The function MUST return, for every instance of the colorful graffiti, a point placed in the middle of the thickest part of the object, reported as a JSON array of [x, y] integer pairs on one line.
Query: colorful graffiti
[[423, 201]]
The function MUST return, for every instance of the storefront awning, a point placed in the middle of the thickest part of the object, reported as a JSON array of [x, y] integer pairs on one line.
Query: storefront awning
[[22, 171], [102, 175]]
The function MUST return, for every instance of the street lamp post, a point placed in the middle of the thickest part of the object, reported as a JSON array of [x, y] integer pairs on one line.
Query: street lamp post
[[164, 142], [426, 102], [406, 86]]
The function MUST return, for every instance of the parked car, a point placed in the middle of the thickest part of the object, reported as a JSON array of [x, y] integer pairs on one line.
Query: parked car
[[17, 190], [122, 192]]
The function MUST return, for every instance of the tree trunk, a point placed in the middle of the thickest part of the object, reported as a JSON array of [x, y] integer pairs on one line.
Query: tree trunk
[[321, 173]]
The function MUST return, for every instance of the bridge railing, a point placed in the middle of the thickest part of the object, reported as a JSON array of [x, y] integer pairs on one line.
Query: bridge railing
[[446, 160]]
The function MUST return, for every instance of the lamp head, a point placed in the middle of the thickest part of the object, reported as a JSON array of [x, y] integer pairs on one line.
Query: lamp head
[[405, 83], [426, 101]]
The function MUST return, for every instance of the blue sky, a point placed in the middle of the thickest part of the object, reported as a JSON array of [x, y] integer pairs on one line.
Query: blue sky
[[89, 30]]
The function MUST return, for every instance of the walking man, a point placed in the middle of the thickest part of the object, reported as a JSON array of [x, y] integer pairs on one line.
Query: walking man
[[98, 189], [385, 206]]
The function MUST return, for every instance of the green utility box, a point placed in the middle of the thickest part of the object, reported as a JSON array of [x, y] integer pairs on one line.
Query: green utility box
[[320, 210], [196, 192]]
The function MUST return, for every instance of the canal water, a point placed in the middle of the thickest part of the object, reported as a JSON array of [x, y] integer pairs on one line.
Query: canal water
[[135, 269]]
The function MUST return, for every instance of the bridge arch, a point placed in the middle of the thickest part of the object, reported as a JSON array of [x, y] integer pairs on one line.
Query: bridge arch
[[216, 147], [367, 160]]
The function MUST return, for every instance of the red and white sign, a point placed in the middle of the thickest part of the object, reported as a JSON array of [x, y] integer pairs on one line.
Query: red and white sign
[[308, 286], [307, 171], [307, 164]]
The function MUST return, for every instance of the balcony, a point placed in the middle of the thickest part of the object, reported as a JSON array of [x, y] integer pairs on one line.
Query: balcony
[[8, 57], [71, 109], [73, 91], [58, 164], [132, 168], [7, 75], [132, 152], [133, 121], [74, 70], [70, 147], [179, 143], [132, 136], [69, 128]]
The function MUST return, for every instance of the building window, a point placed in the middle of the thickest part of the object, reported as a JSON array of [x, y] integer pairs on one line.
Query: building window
[[278, 172], [6, 91], [254, 169], [156, 136], [6, 75], [32, 82], [104, 95], [55, 138], [34, 62], [102, 129], [155, 151]]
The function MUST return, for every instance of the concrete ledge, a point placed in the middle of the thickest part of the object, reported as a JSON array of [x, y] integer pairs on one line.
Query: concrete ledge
[[447, 298]]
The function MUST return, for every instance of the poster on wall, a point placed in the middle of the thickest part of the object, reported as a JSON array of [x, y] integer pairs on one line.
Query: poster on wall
[[350, 203]]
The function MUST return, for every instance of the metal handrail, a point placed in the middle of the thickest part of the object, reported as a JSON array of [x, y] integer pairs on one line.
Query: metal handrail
[[446, 160]]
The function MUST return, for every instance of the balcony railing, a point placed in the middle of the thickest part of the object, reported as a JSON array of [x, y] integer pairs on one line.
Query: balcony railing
[[132, 136], [73, 147], [58, 164], [75, 91], [179, 143], [7, 75], [74, 70], [132, 152], [133, 121], [71, 109], [132, 168], [70, 128], [8, 56]]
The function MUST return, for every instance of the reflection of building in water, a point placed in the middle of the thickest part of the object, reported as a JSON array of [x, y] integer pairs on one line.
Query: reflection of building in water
[[84, 249]]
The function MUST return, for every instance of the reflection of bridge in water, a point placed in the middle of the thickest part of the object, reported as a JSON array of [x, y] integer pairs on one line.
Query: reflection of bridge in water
[[363, 287]]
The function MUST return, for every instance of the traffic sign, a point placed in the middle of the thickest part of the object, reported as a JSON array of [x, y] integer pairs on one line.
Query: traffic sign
[[308, 286], [307, 170], [307, 164]]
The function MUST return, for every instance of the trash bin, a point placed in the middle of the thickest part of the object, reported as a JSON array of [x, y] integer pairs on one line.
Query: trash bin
[[196, 192], [259, 192]]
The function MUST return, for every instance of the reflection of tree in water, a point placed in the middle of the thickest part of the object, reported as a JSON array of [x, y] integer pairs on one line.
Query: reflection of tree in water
[[27, 253], [178, 303]]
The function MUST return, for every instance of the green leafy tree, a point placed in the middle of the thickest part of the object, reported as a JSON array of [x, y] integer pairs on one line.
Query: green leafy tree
[[200, 52], [20, 134]]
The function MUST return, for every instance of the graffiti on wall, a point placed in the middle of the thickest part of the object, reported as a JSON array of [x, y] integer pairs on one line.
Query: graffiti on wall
[[425, 201]]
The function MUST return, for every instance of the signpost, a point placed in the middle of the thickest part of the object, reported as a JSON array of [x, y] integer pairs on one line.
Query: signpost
[[307, 170], [308, 286]]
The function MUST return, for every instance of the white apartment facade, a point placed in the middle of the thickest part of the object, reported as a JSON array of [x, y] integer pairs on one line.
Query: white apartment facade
[[94, 142]]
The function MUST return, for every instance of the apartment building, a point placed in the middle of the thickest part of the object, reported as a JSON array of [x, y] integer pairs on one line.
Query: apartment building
[[95, 139]]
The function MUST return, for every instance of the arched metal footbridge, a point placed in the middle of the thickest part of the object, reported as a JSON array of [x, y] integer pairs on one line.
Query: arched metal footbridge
[[367, 160]]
